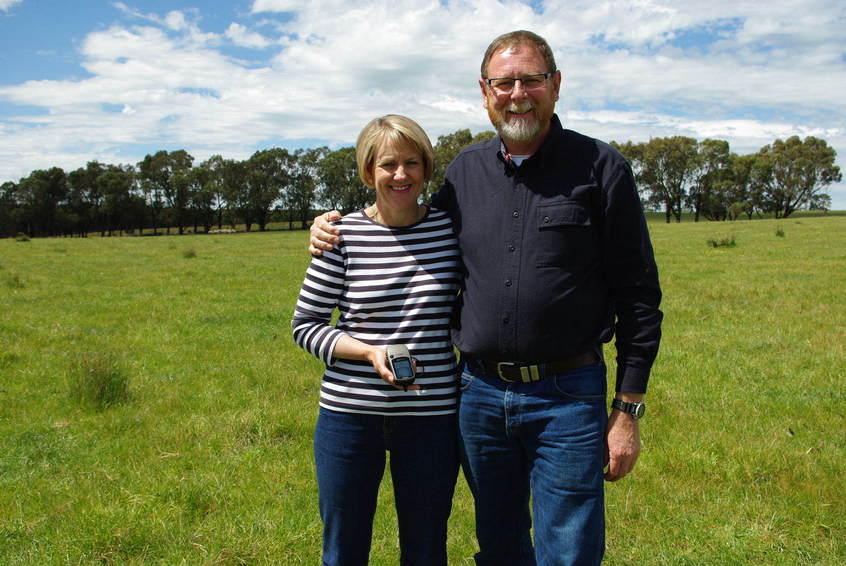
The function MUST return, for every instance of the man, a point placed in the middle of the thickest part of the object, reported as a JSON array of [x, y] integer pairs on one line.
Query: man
[[558, 260]]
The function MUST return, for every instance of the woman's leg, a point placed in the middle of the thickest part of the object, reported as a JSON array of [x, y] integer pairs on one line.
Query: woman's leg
[[349, 455], [424, 468]]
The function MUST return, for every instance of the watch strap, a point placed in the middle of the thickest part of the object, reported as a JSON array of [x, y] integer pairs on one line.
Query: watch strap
[[634, 409]]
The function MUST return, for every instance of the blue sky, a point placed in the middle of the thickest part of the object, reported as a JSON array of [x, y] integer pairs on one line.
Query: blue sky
[[97, 79]]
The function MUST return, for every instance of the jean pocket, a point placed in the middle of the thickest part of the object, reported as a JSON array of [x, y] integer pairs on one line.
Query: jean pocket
[[465, 380], [583, 384]]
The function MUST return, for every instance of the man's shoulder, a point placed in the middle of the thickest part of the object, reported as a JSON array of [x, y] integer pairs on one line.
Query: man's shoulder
[[572, 137], [479, 150], [593, 149]]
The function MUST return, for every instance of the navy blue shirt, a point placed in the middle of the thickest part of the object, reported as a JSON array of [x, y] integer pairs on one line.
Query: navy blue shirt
[[557, 255]]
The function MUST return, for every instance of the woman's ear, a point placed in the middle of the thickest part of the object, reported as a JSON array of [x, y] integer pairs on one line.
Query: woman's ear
[[368, 177]]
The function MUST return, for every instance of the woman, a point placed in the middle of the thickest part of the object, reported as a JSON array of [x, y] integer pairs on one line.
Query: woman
[[393, 277]]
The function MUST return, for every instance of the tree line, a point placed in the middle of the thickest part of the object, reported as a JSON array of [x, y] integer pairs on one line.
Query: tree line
[[168, 191], [678, 174]]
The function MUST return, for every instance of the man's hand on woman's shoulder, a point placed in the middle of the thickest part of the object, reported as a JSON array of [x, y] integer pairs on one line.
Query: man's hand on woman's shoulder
[[324, 236]]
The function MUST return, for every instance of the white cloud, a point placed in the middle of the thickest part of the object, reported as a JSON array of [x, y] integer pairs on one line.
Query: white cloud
[[243, 37], [176, 20], [6, 4], [742, 71], [279, 5]]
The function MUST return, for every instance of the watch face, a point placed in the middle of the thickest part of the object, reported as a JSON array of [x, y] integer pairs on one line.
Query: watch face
[[639, 410]]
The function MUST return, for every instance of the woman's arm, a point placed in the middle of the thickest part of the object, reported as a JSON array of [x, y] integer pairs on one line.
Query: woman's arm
[[349, 348], [319, 295]]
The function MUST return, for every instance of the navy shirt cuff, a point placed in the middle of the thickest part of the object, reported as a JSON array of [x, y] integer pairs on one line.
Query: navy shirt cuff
[[632, 379]]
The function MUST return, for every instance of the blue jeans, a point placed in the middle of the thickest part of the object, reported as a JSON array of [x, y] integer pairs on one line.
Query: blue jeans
[[546, 439], [349, 453]]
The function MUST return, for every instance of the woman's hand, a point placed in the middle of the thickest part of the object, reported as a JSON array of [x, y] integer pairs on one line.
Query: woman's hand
[[378, 358], [324, 236]]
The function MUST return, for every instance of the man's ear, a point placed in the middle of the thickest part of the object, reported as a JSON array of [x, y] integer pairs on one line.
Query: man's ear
[[556, 83], [483, 85]]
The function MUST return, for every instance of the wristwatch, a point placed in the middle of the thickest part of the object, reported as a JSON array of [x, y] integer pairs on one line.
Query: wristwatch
[[634, 409]]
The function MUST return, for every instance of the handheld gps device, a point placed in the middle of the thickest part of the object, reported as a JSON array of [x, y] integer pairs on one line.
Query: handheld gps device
[[399, 360]]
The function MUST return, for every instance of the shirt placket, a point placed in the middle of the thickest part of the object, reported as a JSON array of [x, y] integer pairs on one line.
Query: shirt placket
[[509, 283]]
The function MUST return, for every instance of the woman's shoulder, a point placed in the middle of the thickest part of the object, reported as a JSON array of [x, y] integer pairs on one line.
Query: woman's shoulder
[[436, 216], [436, 212], [352, 218]]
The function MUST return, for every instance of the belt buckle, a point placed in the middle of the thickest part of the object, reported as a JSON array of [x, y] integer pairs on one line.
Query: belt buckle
[[500, 365], [528, 374]]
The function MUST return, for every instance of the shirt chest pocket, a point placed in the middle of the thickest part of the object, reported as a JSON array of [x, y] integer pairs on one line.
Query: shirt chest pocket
[[565, 235]]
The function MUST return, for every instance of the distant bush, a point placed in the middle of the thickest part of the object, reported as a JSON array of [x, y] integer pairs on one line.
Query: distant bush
[[21, 237], [779, 232], [722, 242], [96, 379], [188, 254]]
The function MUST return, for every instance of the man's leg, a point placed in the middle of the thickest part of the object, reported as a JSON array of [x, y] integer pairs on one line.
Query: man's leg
[[497, 472], [349, 455], [563, 427], [424, 468]]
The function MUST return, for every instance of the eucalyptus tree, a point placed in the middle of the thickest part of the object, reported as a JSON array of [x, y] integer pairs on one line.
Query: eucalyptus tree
[[708, 195], [85, 198], [305, 179], [798, 171], [192, 185], [235, 189], [669, 169], [215, 188], [341, 187], [740, 192], [11, 211], [43, 194], [156, 173], [268, 175], [121, 207]]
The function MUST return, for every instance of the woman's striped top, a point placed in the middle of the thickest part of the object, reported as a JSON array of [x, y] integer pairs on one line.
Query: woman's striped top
[[390, 286]]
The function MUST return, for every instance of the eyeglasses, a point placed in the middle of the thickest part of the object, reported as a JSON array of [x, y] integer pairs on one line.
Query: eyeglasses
[[529, 82]]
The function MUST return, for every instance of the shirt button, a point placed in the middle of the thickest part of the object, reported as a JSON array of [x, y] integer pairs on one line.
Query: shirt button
[[511, 247], [508, 282], [515, 214], [546, 219], [505, 320]]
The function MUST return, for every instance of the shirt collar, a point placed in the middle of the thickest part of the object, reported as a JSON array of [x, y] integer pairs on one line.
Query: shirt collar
[[555, 131]]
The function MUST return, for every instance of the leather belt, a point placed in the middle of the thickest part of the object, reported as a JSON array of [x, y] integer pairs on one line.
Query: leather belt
[[514, 372]]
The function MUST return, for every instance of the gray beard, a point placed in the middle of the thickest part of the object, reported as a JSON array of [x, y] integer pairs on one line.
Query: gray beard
[[518, 130]]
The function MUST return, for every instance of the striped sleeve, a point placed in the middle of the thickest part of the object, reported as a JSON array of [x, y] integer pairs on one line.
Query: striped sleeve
[[319, 295]]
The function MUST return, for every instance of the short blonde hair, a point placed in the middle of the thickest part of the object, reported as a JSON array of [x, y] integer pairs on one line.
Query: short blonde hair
[[395, 129]]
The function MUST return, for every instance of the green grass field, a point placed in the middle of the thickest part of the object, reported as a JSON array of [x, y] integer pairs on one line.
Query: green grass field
[[154, 409]]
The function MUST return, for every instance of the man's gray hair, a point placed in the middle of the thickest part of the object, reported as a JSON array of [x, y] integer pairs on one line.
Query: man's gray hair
[[517, 39]]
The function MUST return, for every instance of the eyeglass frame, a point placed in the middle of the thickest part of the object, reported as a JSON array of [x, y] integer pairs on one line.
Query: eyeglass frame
[[545, 76]]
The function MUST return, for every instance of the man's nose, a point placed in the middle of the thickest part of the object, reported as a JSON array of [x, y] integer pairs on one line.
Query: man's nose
[[518, 91]]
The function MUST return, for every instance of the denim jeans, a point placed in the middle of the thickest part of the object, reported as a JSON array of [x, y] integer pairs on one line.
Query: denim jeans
[[546, 439], [349, 450]]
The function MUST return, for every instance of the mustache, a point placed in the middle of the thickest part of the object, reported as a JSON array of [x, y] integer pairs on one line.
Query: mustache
[[519, 108]]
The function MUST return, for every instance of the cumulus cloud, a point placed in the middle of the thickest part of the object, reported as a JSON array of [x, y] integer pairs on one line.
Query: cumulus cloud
[[632, 69]]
